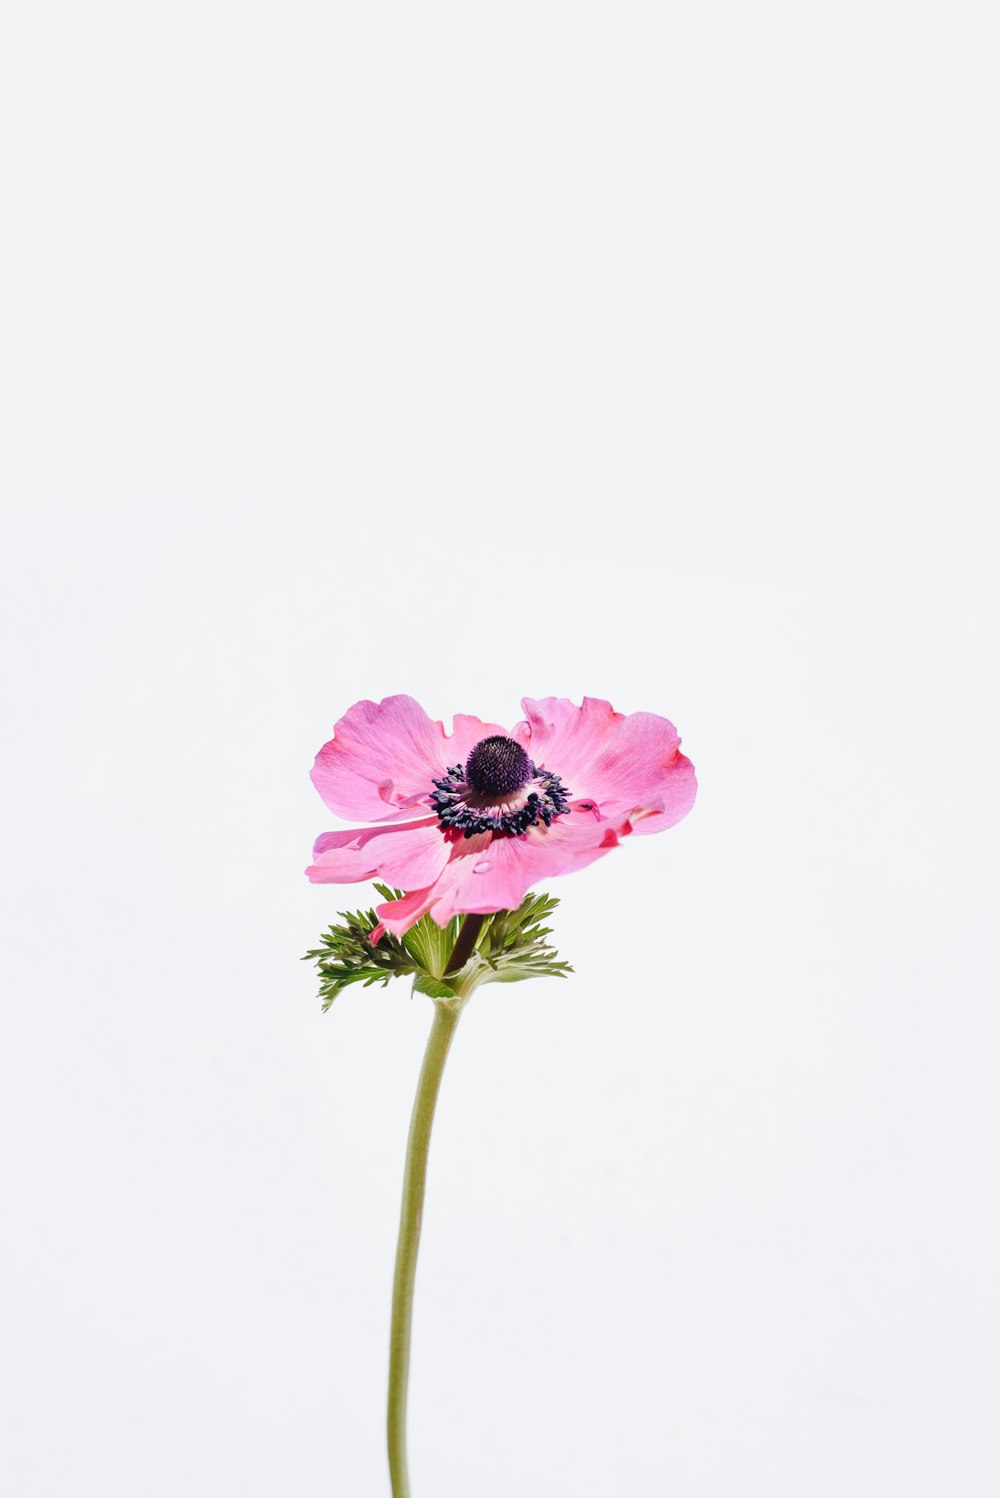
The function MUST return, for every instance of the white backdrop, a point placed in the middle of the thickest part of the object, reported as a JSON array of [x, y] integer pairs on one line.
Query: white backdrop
[[639, 351]]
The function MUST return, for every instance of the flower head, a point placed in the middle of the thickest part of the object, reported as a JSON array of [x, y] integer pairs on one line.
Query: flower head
[[469, 821]]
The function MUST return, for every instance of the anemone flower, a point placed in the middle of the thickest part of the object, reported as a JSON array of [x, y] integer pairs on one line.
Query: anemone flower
[[469, 821], [464, 825]]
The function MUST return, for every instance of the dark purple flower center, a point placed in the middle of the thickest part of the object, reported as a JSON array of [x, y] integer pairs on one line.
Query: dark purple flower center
[[485, 794], [498, 766]]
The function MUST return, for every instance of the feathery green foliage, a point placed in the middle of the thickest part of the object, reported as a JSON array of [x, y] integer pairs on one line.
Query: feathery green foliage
[[510, 947]]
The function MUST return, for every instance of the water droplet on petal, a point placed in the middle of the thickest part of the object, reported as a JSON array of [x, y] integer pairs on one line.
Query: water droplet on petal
[[482, 868]]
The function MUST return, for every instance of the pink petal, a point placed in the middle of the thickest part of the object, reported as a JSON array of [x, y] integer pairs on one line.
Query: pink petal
[[565, 738], [678, 787], [384, 757], [624, 763], [408, 856], [398, 916], [381, 760], [467, 732], [498, 874]]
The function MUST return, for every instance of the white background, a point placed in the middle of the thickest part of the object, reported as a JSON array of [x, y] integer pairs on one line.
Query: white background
[[640, 351]]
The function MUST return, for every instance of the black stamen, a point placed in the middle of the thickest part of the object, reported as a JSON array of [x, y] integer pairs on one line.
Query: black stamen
[[456, 814]]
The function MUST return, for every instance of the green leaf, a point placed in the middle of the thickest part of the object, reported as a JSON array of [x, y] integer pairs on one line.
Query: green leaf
[[435, 988], [511, 947]]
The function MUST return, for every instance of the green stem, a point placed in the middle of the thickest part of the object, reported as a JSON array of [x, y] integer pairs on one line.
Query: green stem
[[414, 1180]]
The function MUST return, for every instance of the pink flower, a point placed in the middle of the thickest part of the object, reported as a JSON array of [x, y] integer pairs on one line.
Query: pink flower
[[470, 821]]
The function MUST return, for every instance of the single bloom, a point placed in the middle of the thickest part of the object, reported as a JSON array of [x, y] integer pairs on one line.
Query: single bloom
[[470, 821]]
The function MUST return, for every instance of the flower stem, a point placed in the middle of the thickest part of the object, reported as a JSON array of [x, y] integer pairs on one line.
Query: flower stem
[[411, 1213], [465, 944]]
